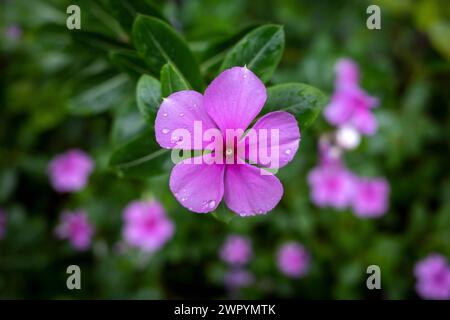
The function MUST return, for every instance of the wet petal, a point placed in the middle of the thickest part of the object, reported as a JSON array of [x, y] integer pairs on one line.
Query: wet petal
[[198, 187], [174, 124], [263, 151], [249, 192], [235, 98]]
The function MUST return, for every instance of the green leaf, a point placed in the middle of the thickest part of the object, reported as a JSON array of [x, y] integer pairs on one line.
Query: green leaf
[[172, 81], [148, 97], [141, 158], [223, 214], [100, 97], [158, 44], [303, 101], [212, 56], [129, 62], [260, 51], [125, 11]]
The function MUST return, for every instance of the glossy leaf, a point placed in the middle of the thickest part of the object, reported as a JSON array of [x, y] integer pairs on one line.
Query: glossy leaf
[[172, 81], [303, 101], [214, 53], [260, 51], [159, 44], [148, 97]]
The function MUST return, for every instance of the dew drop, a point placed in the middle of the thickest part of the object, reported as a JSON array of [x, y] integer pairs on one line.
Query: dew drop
[[181, 114], [165, 114], [165, 131], [287, 151], [211, 204], [183, 199]]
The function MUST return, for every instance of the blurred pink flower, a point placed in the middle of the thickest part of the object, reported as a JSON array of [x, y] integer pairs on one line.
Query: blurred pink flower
[[350, 105], [146, 225], [371, 198], [76, 228], [331, 186], [3, 221], [70, 171], [231, 101], [236, 250], [293, 259], [433, 277], [13, 32], [238, 278]]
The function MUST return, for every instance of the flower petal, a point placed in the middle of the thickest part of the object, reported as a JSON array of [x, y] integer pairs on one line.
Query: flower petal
[[198, 187], [235, 98], [179, 111], [249, 192], [278, 155], [365, 121]]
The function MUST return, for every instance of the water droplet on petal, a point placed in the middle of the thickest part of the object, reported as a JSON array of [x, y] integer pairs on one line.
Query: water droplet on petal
[[165, 131], [211, 204], [287, 151], [181, 114], [165, 114], [183, 199]]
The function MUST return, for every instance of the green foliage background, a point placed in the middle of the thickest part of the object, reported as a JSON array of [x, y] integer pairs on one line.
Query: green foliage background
[[62, 89]]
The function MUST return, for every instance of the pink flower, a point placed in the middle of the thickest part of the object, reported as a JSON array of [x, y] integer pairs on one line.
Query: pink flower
[[76, 227], [70, 171], [3, 221], [232, 101], [433, 277], [350, 105], [238, 278], [236, 250], [293, 260], [14, 32], [347, 73], [146, 225], [331, 186], [371, 197]]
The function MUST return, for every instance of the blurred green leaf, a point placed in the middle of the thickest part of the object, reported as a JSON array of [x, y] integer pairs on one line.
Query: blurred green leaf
[[148, 97], [141, 158], [223, 214], [125, 11], [129, 62], [100, 97], [260, 51], [159, 44], [172, 81], [303, 101]]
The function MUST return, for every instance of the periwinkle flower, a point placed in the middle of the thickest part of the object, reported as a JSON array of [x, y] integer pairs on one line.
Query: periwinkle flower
[[371, 197], [433, 277], [3, 221], [350, 105], [332, 185], [76, 228], [13, 32], [238, 278], [147, 226], [231, 102], [293, 259], [70, 171], [236, 250]]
